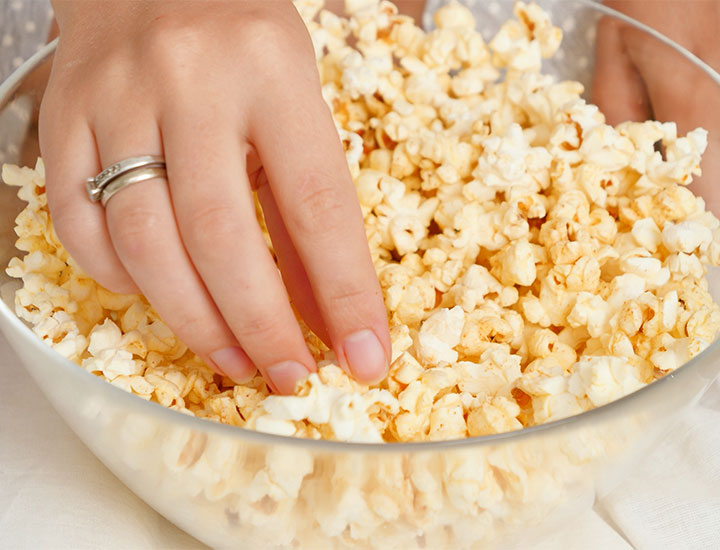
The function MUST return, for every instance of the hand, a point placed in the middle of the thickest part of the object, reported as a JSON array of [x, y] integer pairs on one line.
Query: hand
[[412, 8], [637, 78], [229, 93]]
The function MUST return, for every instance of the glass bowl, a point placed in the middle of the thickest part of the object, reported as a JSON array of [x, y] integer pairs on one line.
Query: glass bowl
[[228, 486]]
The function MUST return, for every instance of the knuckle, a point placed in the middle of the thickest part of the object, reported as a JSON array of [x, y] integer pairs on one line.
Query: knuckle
[[265, 29], [210, 226], [354, 305], [199, 334], [344, 298], [268, 37], [258, 327], [320, 206], [166, 34], [136, 233], [277, 51], [174, 48]]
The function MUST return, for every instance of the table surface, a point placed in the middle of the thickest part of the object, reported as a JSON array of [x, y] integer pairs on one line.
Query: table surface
[[56, 494]]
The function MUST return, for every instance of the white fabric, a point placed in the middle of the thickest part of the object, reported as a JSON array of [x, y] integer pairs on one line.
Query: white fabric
[[55, 494], [673, 501]]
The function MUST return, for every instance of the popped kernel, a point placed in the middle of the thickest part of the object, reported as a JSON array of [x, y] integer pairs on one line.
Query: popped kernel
[[535, 262]]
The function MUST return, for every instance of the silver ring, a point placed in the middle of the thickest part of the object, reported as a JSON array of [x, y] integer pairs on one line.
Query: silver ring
[[128, 178], [95, 186]]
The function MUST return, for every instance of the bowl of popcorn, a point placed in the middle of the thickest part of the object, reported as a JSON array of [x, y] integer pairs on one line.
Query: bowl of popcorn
[[547, 279]]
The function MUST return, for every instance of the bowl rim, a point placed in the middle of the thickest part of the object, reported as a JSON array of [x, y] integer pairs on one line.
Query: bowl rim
[[12, 83]]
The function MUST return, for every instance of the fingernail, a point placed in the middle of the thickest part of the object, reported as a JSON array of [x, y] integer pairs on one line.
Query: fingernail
[[365, 356], [234, 364], [284, 376]]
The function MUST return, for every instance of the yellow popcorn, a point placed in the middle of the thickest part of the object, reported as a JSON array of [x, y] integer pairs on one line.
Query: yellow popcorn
[[522, 43], [647, 234], [603, 379], [494, 416], [515, 263], [447, 419], [535, 262], [686, 236], [439, 335]]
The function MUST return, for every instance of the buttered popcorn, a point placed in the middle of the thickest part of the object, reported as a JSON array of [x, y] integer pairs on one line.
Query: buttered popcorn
[[535, 261]]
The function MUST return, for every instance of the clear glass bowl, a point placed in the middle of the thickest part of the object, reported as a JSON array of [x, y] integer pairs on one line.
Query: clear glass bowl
[[229, 486]]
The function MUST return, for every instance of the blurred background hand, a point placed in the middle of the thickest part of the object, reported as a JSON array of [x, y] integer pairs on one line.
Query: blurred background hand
[[656, 82]]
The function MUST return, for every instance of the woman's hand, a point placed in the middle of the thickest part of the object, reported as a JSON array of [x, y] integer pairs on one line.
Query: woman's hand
[[637, 78], [229, 94]]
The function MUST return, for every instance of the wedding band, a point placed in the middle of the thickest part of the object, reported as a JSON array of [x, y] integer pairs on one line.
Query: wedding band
[[95, 186], [128, 178]]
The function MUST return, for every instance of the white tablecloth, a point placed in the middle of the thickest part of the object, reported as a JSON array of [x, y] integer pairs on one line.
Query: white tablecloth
[[55, 494]]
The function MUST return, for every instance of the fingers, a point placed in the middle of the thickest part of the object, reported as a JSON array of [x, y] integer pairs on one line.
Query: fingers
[[309, 178], [677, 89], [669, 99], [618, 87], [216, 215], [68, 149], [293, 272], [143, 230]]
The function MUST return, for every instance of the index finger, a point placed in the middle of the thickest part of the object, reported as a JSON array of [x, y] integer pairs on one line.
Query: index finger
[[309, 177]]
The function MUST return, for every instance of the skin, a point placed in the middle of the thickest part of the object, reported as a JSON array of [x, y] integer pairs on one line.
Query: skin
[[170, 79], [637, 78], [214, 87]]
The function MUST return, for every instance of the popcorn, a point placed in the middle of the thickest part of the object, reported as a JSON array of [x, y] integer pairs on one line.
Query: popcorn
[[439, 334], [494, 416], [677, 353], [534, 261], [686, 237], [515, 264], [521, 44], [603, 379], [646, 234], [447, 419], [454, 16], [345, 414]]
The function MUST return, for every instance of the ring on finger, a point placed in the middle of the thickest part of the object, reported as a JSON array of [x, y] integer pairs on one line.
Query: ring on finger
[[96, 186], [136, 176]]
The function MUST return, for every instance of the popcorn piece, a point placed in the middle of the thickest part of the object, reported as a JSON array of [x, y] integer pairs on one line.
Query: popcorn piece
[[603, 379], [439, 334], [344, 413], [487, 377], [494, 416], [651, 269], [646, 234], [520, 44], [515, 264], [472, 288], [454, 16], [677, 354], [447, 419], [686, 237]]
